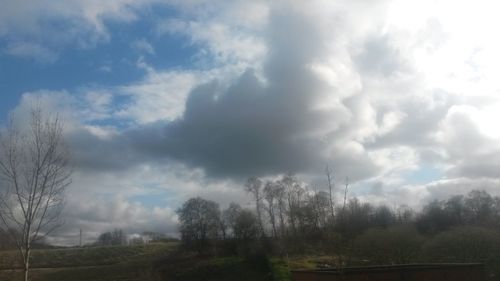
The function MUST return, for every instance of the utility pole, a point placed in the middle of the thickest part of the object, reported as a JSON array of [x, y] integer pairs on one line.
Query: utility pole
[[80, 237]]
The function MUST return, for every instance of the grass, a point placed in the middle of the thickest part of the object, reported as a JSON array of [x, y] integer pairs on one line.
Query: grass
[[254, 268], [311, 261], [280, 270], [155, 262], [215, 269], [124, 263]]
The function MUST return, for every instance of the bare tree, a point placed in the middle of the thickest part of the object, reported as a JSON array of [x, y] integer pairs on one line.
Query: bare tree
[[281, 201], [271, 192], [228, 218], [115, 237], [345, 192], [330, 187], [254, 186], [321, 206], [34, 173], [292, 191], [199, 223]]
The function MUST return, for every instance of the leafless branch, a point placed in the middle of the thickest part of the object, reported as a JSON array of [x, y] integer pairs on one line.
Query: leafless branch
[[34, 173]]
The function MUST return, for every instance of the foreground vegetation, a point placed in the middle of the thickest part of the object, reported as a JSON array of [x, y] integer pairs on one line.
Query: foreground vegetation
[[155, 262], [171, 262], [92, 263], [291, 219]]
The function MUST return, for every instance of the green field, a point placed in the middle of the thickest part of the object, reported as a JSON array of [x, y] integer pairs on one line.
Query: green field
[[122, 263], [228, 268], [155, 262]]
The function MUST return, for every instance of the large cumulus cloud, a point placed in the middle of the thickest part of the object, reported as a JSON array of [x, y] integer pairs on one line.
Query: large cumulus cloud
[[287, 117]]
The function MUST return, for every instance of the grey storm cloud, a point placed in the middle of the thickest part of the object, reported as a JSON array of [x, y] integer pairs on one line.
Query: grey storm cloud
[[473, 154], [263, 126], [112, 154], [420, 122]]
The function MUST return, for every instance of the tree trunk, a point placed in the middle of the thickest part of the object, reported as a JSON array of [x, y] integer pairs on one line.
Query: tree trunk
[[282, 220], [273, 220], [27, 265], [291, 209], [259, 217]]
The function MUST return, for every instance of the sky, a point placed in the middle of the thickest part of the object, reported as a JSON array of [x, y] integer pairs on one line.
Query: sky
[[163, 100]]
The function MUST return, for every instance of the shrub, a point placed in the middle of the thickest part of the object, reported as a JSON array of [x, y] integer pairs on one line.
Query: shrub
[[392, 245], [464, 244]]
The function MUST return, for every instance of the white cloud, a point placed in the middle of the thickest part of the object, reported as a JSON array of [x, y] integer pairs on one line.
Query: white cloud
[[32, 51], [99, 104], [225, 43], [28, 16], [37, 23], [143, 46], [228, 32], [160, 96], [101, 201]]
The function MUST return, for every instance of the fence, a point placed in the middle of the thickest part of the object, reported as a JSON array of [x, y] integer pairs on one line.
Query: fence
[[410, 272]]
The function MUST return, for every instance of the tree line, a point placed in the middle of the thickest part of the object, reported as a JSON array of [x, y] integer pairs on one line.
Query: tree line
[[290, 217], [118, 237]]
